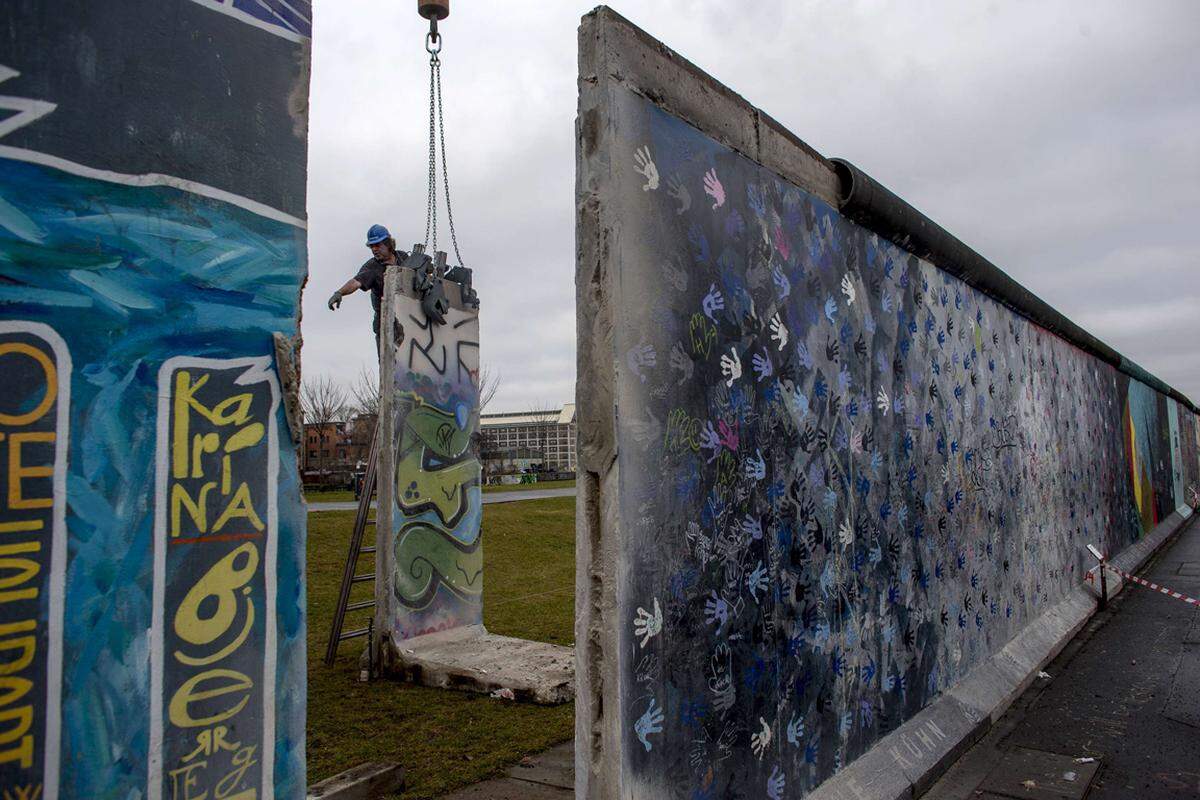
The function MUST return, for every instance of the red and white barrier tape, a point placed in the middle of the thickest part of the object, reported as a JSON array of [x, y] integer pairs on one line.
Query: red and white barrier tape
[[1089, 577]]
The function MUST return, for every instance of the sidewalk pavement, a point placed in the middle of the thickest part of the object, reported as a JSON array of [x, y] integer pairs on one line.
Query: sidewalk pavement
[[1124, 693], [546, 776]]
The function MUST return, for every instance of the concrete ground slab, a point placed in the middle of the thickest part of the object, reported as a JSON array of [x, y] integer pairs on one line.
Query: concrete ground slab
[[1039, 775], [510, 789], [555, 767], [1183, 703], [473, 660], [366, 781]]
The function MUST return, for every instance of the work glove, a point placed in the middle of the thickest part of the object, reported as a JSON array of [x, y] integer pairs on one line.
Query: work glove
[[335, 300]]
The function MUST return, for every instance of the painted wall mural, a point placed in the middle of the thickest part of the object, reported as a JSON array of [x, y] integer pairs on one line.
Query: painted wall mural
[[437, 547], [845, 477], [152, 248]]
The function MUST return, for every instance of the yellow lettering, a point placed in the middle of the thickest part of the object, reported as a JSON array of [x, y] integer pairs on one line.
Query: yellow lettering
[[189, 782], [13, 689], [190, 692], [18, 473], [50, 374], [27, 645], [196, 509], [239, 506], [201, 445], [23, 717], [21, 526], [25, 568], [221, 581]]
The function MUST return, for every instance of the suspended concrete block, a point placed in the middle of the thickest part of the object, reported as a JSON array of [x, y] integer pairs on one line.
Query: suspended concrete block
[[429, 556], [152, 251]]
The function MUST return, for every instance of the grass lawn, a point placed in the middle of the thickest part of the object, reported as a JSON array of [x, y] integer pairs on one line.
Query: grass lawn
[[444, 739], [348, 497], [340, 496], [526, 487]]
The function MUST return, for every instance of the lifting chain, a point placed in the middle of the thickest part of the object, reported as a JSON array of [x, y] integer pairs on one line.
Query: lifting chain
[[437, 141]]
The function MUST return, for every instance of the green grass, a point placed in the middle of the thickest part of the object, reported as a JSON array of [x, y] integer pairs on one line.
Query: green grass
[[526, 487], [444, 739], [314, 496], [340, 496]]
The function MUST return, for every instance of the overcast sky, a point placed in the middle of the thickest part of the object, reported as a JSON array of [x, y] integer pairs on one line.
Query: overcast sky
[[1060, 140]]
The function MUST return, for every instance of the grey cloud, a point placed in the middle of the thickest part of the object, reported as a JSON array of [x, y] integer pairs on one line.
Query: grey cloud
[[1058, 139]]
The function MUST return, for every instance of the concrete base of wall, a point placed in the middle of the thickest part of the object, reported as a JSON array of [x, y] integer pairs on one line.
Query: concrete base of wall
[[364, 782], [473, 660], [906, 762]]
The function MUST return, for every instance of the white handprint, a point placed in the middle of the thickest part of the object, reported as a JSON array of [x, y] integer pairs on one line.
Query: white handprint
[[882, 402], [681, 363], [646, 624], [713, 301], [731, 367], [677, 276], [639, 357], [644, 166], [714, 189], [779, 331], [679, 192], [848, 290], [759, 741], [649, 723], [756, 468]]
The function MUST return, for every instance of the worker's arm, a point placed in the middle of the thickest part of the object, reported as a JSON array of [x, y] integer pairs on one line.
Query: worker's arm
[[349, 287]]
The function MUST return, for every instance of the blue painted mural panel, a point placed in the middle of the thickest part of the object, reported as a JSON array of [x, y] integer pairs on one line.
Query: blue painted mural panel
[[846, 477], [149, 495]]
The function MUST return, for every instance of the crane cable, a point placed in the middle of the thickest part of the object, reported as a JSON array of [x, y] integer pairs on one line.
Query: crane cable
[[437, 140]]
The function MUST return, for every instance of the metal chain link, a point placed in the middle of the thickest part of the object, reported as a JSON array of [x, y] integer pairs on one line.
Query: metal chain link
[[437, 68], [437, 140], [431, 183]]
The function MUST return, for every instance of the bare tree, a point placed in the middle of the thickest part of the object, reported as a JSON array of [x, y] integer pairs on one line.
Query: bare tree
[[545, 432], [323, 401], [365, 390], [489, 382]]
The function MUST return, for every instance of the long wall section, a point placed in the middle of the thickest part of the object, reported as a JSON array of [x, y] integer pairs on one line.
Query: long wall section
[[822, 479]]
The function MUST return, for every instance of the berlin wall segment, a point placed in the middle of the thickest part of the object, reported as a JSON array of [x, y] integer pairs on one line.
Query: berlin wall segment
[[429, 530], [152, 250], [832, 478]]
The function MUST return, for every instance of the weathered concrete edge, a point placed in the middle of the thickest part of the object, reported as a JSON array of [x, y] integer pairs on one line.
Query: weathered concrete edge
[[632, 58], [366, 781], [906, 762], [597, 700]]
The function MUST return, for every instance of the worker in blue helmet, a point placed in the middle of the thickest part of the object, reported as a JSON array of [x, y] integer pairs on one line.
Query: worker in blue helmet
[[370, 274]]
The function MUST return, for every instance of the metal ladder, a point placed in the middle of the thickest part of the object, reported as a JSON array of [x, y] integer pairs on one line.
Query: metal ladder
[[349, 575]]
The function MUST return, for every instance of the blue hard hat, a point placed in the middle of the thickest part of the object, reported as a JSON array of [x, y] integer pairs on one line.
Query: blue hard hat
[[377, 234]]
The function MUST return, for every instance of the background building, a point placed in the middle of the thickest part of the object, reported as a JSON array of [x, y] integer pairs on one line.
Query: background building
[[528, 441]]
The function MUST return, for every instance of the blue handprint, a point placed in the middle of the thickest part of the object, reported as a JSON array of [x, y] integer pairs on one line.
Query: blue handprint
[[649, 723]]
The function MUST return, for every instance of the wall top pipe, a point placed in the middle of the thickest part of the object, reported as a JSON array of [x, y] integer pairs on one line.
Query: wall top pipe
[[871, 204]]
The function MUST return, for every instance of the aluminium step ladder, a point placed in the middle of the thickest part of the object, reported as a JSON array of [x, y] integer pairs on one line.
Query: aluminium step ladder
[[350, 576]]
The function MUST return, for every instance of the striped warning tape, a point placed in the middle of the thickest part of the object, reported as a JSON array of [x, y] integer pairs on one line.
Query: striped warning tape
[[1143, 582]]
